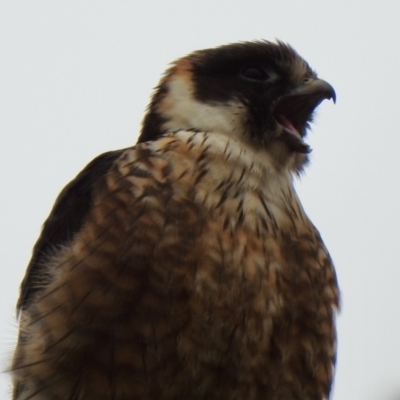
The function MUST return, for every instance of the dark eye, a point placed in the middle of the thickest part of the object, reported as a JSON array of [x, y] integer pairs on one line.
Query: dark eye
[[255, 73]]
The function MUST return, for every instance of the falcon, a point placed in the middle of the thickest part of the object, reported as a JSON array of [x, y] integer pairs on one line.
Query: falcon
[[185, 267]]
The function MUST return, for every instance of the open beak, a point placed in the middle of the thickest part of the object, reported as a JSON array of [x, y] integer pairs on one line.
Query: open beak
[[293, 110]]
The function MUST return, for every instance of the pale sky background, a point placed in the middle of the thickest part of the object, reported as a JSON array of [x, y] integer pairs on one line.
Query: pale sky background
[[76, 76]]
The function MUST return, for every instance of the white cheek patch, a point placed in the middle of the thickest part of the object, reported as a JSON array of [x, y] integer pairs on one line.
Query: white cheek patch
[[182, 111]]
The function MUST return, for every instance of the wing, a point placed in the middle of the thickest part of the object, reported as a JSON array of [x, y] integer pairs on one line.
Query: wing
[[65, 220], [116, 253]]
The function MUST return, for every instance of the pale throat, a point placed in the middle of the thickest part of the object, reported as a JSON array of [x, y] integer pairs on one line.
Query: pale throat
[[249, 173]]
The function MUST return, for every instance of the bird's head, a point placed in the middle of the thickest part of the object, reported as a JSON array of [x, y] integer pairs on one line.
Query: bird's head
[[259, 92]]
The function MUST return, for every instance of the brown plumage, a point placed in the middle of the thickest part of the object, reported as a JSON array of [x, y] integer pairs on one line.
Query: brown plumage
[[185, 267]]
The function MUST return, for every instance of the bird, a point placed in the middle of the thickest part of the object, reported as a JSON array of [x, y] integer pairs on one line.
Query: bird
[[185, 267]]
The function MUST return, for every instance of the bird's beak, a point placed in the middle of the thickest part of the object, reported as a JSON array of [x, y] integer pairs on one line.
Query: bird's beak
[[315, 89], [304, 98], [296, 106], [294, 109]]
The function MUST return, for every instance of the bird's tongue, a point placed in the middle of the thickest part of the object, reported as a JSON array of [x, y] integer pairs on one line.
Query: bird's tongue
[[288, 125]]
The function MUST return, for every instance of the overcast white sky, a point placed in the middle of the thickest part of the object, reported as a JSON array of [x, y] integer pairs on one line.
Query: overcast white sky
[[76, 76]]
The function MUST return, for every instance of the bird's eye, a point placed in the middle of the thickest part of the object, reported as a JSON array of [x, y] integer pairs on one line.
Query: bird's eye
[[255, 73]]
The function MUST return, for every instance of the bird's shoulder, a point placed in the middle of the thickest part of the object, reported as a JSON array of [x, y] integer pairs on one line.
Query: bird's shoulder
[[141, 170], [64, 221]]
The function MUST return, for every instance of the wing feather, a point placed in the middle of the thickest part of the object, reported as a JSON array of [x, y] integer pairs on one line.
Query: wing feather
[[64, 221]]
